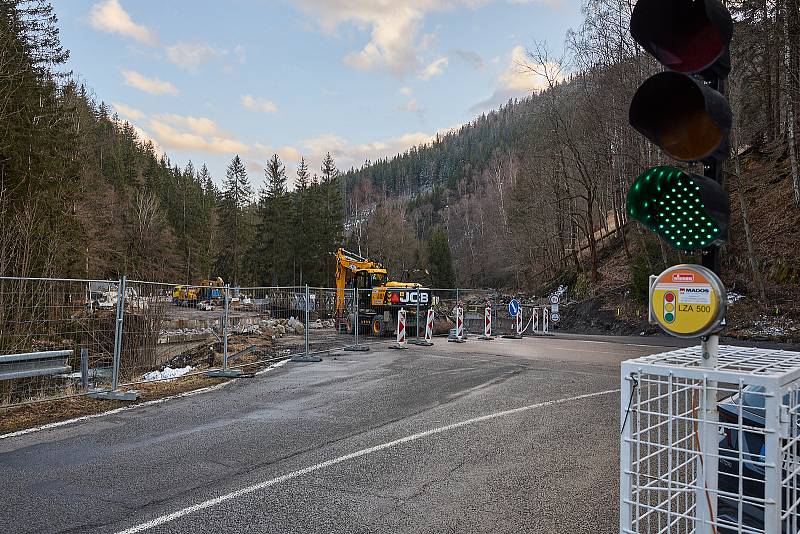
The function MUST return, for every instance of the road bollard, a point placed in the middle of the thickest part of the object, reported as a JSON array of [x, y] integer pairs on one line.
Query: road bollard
[[428, 341]]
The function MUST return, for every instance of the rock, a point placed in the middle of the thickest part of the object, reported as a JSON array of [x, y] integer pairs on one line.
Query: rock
[[281, 329], [300, 329], [270, 331], [293, 323], [289, 330], [316, 324]]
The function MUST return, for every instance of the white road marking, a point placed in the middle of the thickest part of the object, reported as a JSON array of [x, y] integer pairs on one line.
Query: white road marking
[[131, 407], [363, 452]]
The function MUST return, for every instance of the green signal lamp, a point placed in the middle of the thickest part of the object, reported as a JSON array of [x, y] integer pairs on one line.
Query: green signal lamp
[[688, 211]]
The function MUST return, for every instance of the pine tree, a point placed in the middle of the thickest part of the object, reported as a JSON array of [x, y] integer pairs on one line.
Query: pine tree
[[440, 259], [235, 233], [271, 256]]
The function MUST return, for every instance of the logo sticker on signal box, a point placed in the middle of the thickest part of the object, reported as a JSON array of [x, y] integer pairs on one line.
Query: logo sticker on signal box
[[688, 301]]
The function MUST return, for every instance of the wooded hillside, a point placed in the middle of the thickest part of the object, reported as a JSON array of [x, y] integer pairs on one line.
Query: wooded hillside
[[528, 193]]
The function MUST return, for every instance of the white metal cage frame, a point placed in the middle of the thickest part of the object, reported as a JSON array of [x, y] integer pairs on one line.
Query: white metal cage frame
[[711, 449]]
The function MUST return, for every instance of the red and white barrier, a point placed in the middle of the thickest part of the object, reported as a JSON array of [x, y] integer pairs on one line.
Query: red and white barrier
[[460, 323], [518, 319], [487, 324], [401, 327], [545, 320], [401, 331], [535, 320], [429, 326]]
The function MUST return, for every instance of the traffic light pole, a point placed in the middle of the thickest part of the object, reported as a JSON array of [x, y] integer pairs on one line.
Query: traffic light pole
[[711, 258]]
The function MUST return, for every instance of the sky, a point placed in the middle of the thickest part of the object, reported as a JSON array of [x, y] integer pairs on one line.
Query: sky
[[362, 79]]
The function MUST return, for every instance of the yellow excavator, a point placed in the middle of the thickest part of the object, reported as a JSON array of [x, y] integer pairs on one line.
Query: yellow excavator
[[379, 300]]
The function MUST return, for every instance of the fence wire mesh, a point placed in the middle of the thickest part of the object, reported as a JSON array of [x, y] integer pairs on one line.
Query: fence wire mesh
[[68, 337], [72, 319]]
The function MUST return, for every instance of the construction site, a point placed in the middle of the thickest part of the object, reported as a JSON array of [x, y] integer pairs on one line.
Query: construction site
[[126, 340]]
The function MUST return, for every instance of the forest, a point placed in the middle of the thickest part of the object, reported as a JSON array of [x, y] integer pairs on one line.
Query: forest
[[81, 195]]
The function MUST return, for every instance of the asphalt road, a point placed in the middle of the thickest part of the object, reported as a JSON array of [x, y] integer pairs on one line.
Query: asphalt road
[[500, 436]]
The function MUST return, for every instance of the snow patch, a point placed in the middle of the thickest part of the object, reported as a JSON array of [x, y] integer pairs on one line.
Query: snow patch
[[168, 373]]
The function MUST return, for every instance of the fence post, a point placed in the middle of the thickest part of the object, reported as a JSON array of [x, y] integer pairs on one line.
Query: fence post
[[306, 356], [225, 329], [118, 333], [84, 368], [113, 394], [225, 372], [356, 347], [305, 337]]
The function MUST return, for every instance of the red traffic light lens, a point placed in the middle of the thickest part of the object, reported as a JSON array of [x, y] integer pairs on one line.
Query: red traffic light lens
[[683, 35], [669, 297]]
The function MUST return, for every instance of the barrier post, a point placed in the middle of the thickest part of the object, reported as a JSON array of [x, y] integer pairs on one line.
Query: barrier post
[[487, 324], [520, 322], [535, 320], [459, 334], [401, 331], [356, 347], [545, 320]]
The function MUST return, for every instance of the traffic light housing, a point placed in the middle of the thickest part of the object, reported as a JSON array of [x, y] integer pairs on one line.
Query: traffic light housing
[[688, 211], [684, 112], [686, 118], [687, 36]]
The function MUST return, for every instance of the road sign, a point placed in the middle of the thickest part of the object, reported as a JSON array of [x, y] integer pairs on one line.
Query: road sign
[[554, 308], [688, 301], [554, 299], [513, 307], [555, 317]]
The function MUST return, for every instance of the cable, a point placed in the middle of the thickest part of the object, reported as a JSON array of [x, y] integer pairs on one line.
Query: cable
[[630, 402]]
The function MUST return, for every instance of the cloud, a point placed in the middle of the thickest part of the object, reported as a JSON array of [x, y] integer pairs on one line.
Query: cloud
[[190, 56], [154, 86], [259, 104], [110, 17], [434, 68], [198, 125], [472, 58], [171, 137], [127, 112], [394, 28], [521, 77], [406, 90]]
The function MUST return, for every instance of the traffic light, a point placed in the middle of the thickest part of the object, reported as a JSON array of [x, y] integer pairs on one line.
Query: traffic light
[[683, 112], [687, 210]]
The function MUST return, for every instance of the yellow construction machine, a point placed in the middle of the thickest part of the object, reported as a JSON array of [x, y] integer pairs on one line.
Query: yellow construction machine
[[209, 291], [379, 300]]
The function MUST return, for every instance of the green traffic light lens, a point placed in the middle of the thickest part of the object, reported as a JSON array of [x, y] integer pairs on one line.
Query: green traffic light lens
[[668, 201]]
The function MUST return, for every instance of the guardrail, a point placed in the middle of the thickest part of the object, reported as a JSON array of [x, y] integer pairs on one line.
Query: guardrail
[[31, 364]]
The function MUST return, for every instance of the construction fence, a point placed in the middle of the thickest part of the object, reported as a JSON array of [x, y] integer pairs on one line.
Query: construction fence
[[107, 338]]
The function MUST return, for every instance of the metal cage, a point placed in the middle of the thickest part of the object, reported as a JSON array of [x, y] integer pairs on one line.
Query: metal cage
[[710, 449]]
